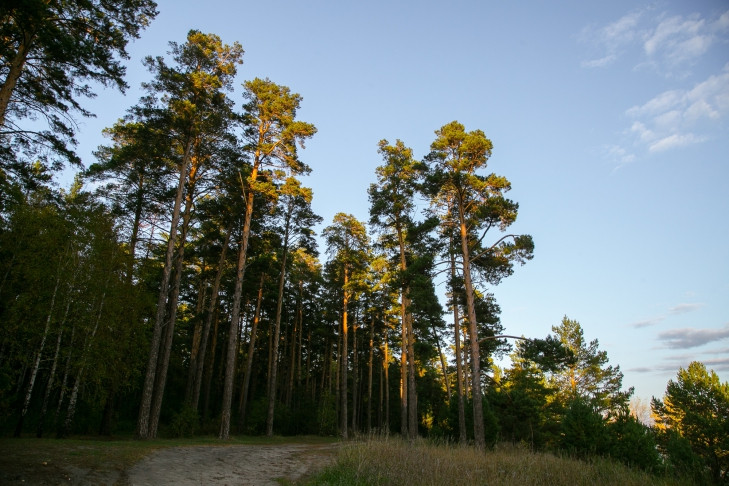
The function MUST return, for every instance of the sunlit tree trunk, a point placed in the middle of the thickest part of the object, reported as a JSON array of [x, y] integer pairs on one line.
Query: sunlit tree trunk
[[478, 425], [343, 415], [462, 435]]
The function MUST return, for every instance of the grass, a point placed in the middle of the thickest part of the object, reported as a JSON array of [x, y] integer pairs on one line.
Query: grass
[[394, 462]]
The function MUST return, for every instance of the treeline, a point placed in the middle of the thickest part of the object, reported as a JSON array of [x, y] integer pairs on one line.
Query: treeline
[[177, 286]]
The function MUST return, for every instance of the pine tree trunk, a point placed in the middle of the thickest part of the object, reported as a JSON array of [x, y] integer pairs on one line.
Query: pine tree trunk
[[39, 355], [145, 406], [462, 434], [15, 70], [443, 367], [224, 433], [277, 330], [355, 378], [200, 365], [251, 350], [478, 425], [386, 366], [343, 415], [370, 362]]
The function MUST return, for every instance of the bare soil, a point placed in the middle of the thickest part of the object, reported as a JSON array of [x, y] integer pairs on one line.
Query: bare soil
[[184, 466]]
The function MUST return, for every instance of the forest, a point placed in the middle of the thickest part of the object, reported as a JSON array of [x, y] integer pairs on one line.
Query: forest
[[179, 285]]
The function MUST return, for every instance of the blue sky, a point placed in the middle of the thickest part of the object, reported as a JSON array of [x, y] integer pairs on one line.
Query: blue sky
[[611, 120]]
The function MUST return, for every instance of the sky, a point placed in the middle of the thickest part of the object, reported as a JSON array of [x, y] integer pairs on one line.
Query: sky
[[610, 119]]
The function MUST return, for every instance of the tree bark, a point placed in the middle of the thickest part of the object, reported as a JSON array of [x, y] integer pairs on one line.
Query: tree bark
[[200, 365], [462, 434], [251, 350], [145, 406], [14, 72], [163, 364], [370, 362], [224, 433], [343, 415], [478, 425], [277, 330], [39, 354]]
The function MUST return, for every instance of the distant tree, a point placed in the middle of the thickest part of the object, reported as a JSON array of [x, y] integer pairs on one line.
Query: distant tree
[[347, 244], [695, 408], [392, 208], [298, 219], [588, 375], [51, 51]]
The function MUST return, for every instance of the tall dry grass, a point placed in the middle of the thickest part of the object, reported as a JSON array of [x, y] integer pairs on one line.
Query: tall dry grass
[[395, 462]]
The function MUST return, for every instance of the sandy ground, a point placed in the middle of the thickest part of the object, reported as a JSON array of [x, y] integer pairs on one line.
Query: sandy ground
[[184, 466], [228, 465]]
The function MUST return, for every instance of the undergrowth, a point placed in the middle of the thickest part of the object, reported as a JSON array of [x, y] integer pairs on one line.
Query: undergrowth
[[394, 462]]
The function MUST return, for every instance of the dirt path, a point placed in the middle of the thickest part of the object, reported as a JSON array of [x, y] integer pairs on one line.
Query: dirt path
[[228, 465]]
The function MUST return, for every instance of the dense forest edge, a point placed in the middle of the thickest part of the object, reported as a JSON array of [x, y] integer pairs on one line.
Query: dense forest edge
[[178, 288]]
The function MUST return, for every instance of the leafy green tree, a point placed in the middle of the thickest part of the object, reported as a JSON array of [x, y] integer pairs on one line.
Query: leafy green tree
[[523, 400], [51, 52], [695, 408], [633, 443], [470, 204], [588, 375], [583, 430]]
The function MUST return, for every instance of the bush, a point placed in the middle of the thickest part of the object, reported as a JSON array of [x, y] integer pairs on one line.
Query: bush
[[184, 423], [583, 430], [633, 443]]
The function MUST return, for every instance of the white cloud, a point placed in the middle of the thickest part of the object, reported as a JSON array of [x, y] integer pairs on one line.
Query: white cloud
[[612, 38], [669, 120], [678, 39], [666, 42], [677, 140]]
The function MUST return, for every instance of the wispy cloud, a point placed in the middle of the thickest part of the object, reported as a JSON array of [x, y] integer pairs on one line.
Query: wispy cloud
[[676, 310], [670, 45], [662, 40], [613, 39], [691, 338], [684, 308], [671, 119]]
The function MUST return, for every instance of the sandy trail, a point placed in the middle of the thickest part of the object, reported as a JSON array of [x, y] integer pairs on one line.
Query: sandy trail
[[229, 465]]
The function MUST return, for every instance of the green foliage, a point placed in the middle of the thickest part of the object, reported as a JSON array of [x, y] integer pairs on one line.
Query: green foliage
[[633, 443], [694, 412], [681, 460], [583, 431], [53, 51], [326, 416], [185, 422], [588, 375]]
